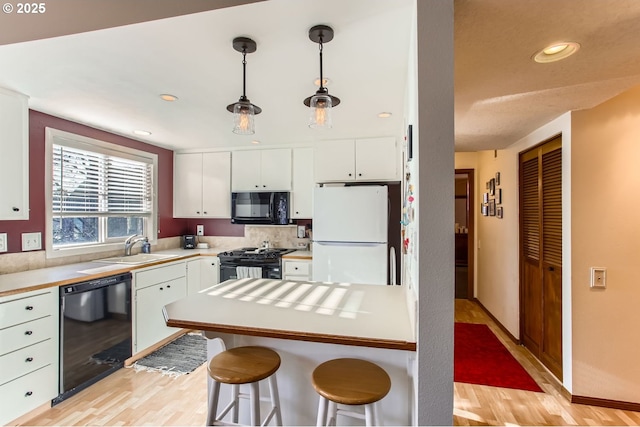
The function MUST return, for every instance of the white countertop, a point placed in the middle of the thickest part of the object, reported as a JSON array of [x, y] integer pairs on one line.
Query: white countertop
[[41, 278], [341, 313]]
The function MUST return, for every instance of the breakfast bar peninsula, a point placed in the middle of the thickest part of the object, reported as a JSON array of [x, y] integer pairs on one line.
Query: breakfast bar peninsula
[[308, 323]]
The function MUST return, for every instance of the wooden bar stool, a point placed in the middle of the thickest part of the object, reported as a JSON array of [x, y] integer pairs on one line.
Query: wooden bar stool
[[244, 365], [349, 382]]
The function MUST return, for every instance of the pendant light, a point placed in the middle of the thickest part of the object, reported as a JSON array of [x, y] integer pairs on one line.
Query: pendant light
[[243, 110], [321, 103]]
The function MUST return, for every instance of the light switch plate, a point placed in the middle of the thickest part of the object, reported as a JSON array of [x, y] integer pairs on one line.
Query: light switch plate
[[3, 242], [31, 241], [598, 277]]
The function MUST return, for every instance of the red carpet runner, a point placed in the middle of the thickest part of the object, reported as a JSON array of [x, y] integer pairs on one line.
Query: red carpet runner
[[480, 358]]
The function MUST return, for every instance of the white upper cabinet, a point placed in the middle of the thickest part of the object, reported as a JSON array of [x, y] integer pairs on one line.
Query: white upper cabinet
[[261, 170], [366, 159], [302, 190], [202, 185], [14, 156]]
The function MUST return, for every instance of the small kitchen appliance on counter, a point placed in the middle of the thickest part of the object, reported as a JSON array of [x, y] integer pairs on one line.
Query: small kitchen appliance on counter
[[189, 241]]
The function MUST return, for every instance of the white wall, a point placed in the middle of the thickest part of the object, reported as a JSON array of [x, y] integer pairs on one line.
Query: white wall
[[605, 201], [435, 200]]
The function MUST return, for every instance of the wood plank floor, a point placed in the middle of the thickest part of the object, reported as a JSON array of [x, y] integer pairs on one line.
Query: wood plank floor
[[145, 398]]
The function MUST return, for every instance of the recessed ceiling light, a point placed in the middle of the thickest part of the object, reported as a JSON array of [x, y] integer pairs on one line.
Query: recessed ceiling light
[[556, 52], [142, 132], [384, 114], [168, 97], [255, 141]]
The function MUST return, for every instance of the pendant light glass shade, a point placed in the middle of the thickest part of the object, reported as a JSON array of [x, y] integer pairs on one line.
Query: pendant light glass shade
[[321, 103], [243, 123], [320, 117], [243, 110]]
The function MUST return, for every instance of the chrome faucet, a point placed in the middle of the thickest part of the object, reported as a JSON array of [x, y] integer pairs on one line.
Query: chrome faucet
[[132, 240]]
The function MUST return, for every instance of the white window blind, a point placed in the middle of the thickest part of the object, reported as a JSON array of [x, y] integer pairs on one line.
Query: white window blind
[[87, 183]]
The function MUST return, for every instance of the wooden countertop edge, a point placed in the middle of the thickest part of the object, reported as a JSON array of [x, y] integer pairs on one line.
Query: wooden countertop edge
[[126, 268], [294, 335], [305, 257]]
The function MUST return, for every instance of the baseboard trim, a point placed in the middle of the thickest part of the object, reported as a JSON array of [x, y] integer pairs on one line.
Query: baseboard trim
[[500, 325], [606, 403]]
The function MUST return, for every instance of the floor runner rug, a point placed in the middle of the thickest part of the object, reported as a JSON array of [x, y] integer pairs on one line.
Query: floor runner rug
[[480, 358], [179, 357]]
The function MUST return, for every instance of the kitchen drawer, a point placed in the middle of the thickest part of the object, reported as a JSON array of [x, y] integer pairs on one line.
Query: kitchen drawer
[[153, 276], [26, 360], [297, 268], [22, 310], [27, 393], [26, 334]]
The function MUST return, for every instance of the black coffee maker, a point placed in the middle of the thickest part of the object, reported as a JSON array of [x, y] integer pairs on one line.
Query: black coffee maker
[[189, 241]]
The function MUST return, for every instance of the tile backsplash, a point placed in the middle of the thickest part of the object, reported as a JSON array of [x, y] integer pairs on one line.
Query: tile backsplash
[[278, 236]]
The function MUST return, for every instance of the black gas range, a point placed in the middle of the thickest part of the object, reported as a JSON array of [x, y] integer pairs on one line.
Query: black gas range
[[252, 262]]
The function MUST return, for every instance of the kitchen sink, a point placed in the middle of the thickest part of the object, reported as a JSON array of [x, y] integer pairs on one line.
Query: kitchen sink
[[136, 259]]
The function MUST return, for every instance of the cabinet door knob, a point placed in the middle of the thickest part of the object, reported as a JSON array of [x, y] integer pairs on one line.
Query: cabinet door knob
[[205, 212], [16, 209], [28, 332], [198, 212], [168, 286], [257, 186], [29, 359], [161, 289], [27, 394], [264, 186], [29, 307], [359, 174], [552, 269], [295, 268], [349, 174]]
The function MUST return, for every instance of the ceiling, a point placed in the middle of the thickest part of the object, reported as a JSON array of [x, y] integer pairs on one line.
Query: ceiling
[[111, 78]]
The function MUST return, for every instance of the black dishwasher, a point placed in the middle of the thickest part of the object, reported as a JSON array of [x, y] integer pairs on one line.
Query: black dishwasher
[[95, 331]]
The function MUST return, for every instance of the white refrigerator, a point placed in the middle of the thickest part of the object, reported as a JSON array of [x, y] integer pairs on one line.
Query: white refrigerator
[[350, 234]]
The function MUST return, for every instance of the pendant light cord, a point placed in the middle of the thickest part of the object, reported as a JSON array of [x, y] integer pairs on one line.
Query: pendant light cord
[[244, 73], [321, 77]]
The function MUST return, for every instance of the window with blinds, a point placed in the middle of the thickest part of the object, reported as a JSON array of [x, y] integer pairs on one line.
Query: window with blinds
[[98, 195]]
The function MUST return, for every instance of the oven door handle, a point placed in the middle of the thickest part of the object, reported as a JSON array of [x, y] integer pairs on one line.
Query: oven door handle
[[272, 207]]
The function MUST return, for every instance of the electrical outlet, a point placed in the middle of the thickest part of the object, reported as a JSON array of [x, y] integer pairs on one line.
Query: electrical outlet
[[31, 241], [4, 245], [598, 277], [200, 230]]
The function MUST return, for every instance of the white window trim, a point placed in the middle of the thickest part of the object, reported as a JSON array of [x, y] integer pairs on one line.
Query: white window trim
[[98, 146]]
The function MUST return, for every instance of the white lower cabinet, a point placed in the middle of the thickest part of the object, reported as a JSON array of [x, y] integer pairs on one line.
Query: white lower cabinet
[[296, 270], [155, 287], [202, 272], [28, 351]]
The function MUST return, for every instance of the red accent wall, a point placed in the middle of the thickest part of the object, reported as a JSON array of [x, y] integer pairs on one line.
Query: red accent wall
[[38, 121]]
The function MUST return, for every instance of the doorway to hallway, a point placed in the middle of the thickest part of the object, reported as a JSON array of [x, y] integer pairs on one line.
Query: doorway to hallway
[[464, 232]]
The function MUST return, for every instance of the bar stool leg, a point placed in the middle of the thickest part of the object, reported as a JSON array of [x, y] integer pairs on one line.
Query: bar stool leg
[[369, 415], [322, 412], [376, 414], [333, 414], [275, 398], [235, 393], [214, 394], [254, 402]]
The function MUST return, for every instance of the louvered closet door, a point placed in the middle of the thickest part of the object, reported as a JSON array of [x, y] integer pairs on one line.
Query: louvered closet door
[[541, 261]]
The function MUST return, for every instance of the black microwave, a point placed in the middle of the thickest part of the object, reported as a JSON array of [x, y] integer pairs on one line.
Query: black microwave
[[260, 208]]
